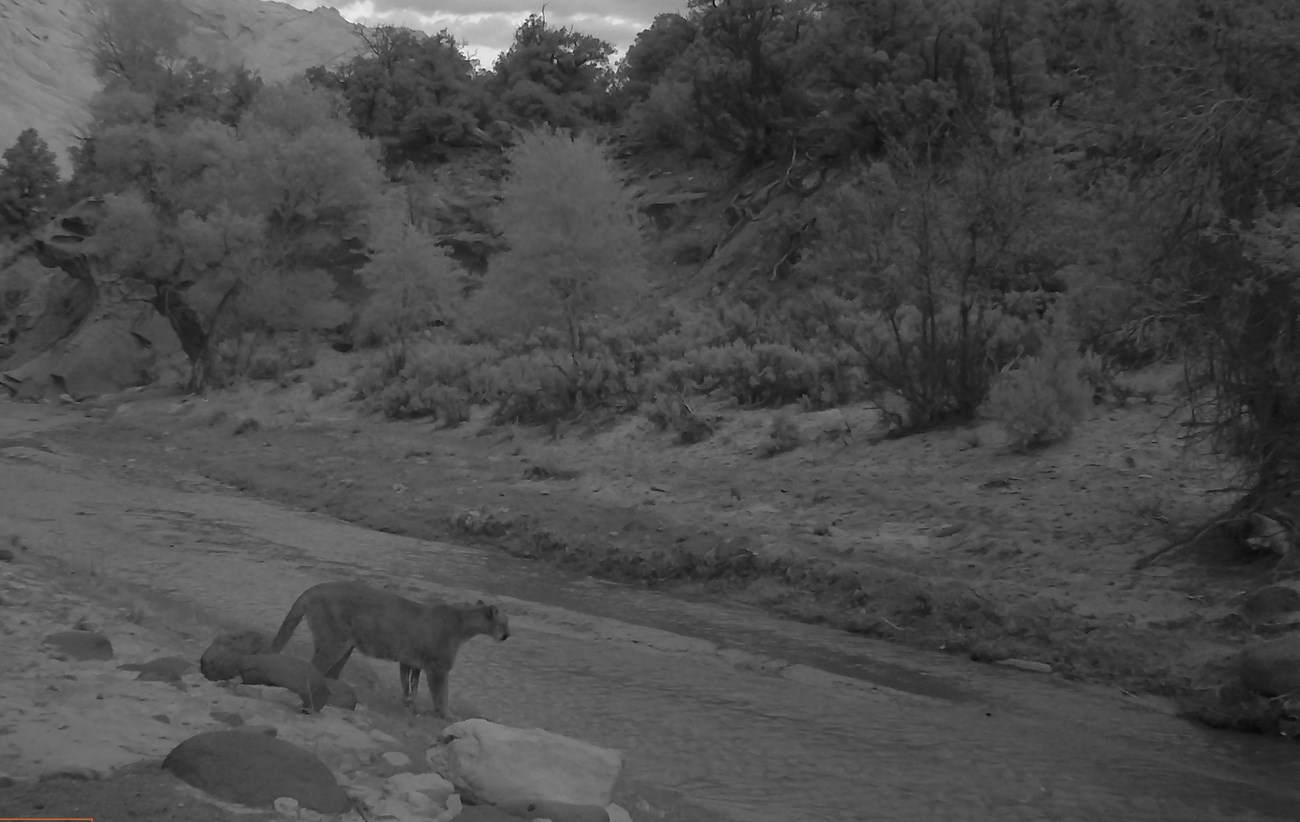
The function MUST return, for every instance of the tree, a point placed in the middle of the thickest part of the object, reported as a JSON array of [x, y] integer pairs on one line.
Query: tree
[[413, 283], [654, 52], [134, 42], [225, 226], [560, 77], [416, 94], [574, 243], [29, 177]]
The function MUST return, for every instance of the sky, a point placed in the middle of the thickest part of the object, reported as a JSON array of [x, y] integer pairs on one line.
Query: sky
[[488, 26]]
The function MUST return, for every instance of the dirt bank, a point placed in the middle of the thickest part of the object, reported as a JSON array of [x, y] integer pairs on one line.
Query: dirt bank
[[946, 541]]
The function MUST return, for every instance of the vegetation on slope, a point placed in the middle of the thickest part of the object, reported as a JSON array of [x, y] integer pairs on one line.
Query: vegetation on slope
[[940, 209]]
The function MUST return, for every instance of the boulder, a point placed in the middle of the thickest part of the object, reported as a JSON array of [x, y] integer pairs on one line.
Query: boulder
[[163, 669], [1268, 603], [554, 811], [496, 763], [220, 661], [1272, 668], [255, 770], [82, 645], [289, 672]]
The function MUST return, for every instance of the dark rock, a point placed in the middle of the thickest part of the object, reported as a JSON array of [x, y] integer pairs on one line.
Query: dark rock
[[246, 425], [264, 730], [342, 695], [230, 718], [254, 770], [163, 669], [6, 555], [81, 645], [1272, 668], [1269, 602], [290, 672], [554, 811], [220, 661]]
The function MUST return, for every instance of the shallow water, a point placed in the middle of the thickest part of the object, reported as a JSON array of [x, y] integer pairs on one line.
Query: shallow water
[[898, 735]]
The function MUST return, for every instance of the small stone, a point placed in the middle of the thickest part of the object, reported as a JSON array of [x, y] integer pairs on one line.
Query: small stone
[[227, 717], [79, 772], [1026, 665], [81, 645], [1272, 669], [286, 806], [6, 555], [260, 730], [617, 814], [397, 759], [164, 669]]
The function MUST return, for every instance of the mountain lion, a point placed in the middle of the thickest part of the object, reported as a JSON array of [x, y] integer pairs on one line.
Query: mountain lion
[[347, 616]]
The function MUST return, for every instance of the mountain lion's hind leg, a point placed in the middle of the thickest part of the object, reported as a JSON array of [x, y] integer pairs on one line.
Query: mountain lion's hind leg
[[440, 690], [337, 667], [410, 684]]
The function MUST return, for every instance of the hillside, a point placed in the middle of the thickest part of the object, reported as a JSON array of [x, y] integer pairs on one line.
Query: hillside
[[46, 79]]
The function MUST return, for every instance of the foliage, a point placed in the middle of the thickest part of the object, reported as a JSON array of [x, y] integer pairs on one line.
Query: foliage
[[134, 42], [412, 283], [418, 95], [29, 179], [1040, 398], [1206, 99], [941, 267], [1245, 371], [437, 380], [222, 225], [573, 237], [761, 374], [558, 77], [782, 436], [652, 55]]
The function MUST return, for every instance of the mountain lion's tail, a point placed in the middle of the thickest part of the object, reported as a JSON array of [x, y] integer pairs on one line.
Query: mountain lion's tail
[[290, 624]]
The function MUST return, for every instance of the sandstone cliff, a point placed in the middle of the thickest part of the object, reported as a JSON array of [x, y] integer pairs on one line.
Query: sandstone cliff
[[46, 79]]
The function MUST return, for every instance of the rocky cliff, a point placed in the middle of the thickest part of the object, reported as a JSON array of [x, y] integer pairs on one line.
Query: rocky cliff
[[46, 79]]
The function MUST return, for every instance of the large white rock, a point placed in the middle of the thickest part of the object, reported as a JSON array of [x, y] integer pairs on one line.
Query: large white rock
[[497, 763]]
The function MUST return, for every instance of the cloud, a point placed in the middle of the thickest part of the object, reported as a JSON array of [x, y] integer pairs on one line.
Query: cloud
[[488, 26]]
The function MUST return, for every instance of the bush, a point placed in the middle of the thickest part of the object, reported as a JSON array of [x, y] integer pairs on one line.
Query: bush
[[1042, 397], [783, 436], [672, 412], [438, 380], [764, 374]]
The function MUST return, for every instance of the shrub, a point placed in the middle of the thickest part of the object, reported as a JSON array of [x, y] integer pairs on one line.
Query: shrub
[[438, 380], [763, 374], [1042, 397], [783, 436], [671, 411]]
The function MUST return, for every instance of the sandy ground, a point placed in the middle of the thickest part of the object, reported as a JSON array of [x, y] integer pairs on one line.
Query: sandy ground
[[73, 724], [941, 541]]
